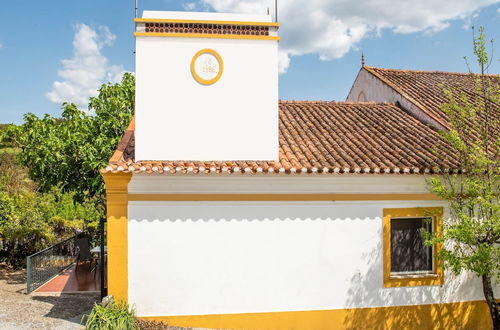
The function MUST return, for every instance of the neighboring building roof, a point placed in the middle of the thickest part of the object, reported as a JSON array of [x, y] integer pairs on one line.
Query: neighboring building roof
[[323, 137], [425, 88]]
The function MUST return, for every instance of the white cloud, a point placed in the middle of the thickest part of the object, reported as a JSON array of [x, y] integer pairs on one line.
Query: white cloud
[[283, 61], [189, 6], [83, 74], [1, 45], [330, 28], [468, 21]]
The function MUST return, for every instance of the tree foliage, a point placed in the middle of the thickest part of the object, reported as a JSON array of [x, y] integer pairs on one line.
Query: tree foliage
[[7, 135], [472, 234], [50, 185], [30, 220], [68, 152]]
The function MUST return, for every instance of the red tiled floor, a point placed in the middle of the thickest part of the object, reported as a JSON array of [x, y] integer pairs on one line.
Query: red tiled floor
[[70, 281]]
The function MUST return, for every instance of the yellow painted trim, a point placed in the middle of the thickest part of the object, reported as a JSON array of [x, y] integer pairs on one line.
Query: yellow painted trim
[[188, 21], [117, 233], [280, 197], [204, 35], [435, 279], [461, 315], [200, 79]]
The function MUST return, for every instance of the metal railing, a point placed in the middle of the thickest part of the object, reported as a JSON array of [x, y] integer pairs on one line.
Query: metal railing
[[45, 264]]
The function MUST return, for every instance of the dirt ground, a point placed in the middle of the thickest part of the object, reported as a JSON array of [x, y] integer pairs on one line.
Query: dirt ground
[[48, 311]]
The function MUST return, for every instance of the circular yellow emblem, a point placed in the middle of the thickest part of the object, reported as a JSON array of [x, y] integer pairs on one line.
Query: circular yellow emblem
[[207, 66]]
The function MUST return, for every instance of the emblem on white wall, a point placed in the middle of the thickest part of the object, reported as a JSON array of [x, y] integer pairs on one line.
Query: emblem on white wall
[[207, 66]]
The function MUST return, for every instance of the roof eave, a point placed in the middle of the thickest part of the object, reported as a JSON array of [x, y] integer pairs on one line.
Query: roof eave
[[118, 154]]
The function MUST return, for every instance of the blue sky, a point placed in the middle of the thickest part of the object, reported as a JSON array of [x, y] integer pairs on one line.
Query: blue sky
[[35, 36]]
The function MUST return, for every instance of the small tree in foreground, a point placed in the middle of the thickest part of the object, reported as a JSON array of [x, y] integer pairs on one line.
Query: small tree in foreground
[[472, 236]]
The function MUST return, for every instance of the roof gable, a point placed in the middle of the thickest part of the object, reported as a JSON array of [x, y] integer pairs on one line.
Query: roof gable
[[425, 88]]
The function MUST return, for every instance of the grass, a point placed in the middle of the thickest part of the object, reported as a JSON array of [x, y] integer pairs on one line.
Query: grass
[[111, 316], [9, 150]]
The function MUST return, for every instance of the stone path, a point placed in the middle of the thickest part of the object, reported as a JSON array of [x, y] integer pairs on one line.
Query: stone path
[[42, 310], [38, 311]]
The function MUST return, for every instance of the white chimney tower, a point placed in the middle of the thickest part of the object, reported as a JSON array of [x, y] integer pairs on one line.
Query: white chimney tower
[[206, 87]]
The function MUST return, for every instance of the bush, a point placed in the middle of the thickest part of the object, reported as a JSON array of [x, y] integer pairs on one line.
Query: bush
[[50, 184], [13, 177], [8, 133], [111, 316], [31, 221]]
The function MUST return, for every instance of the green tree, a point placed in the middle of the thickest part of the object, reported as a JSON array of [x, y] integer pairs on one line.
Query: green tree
[[50, 185], [471, 237], [30, 220], [68, 152]]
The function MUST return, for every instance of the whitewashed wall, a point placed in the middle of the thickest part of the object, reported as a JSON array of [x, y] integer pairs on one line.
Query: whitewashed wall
[[213, 16], [367, 87], [278, 184], [177, 118], [190, 258]]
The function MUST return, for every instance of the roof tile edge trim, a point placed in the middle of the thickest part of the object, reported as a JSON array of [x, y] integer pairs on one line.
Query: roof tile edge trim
[[138, 168]]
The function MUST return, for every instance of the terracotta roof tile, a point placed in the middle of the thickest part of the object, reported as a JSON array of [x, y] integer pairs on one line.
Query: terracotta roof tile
[[425, 88], [323, 137]]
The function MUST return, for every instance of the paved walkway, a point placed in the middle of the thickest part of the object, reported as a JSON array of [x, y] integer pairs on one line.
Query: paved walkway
[[71, 281], [39, 310]]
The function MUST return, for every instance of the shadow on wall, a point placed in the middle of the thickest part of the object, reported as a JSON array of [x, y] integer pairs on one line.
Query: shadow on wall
[[253, 211], [257, 226], [367, 290]]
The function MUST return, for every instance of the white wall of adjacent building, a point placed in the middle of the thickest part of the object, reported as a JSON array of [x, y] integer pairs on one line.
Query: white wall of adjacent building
[[189, 258], [368, 88]]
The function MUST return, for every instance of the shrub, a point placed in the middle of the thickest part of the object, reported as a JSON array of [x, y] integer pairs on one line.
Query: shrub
[[111, 316], [50, 185], [13, 177], [31, 221]]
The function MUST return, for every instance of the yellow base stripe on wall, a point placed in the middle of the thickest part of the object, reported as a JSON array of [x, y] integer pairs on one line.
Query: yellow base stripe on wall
[[461, 315]]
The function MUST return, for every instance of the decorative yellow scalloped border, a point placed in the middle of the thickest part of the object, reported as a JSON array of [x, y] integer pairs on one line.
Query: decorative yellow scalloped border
[[200, 79]]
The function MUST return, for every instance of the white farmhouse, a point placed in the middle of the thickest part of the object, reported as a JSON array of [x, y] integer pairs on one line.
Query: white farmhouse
[[228, 208]]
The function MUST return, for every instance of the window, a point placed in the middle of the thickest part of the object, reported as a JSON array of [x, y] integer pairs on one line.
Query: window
[[407, 260], [361, 97], [409, 255]]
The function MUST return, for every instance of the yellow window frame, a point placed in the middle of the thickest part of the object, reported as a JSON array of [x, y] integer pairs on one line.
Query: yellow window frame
[[434, 278]]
